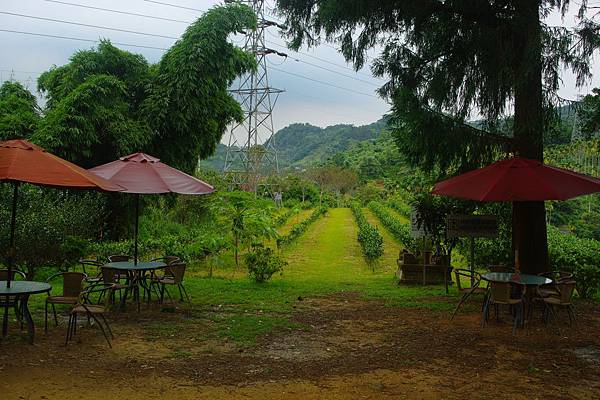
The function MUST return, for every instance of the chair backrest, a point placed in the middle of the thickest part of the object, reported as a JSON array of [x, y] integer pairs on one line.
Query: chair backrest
[[13, 273], [119, 258], [178, 271], [90, 263], [466, 273], [564, 276], [499, 268], [167, 259], [73, 283], [566, 289], [109, 275], [500, 291]]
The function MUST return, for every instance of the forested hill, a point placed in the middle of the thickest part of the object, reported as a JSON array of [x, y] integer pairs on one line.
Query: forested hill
[[302, 144]]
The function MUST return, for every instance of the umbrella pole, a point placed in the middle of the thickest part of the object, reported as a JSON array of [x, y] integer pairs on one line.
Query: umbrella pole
[[13, 225], [137, 223]]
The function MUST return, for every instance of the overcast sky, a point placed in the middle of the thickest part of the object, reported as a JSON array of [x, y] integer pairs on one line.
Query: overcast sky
[[23, 57]]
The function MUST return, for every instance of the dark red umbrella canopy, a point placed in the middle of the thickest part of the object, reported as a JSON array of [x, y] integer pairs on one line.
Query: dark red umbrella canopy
[[22, 161], [143, 174], [518, 179]]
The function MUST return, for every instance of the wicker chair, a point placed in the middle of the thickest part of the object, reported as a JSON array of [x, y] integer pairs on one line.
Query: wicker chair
[[467, 291], [121, 275], [72, 287], [173, 277], [500, 294], [563, 300], [95, 312], [12, 301], [92, 265], [110, 277]]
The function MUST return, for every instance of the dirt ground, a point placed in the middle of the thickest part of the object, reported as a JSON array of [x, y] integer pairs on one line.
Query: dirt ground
[[346, 348]]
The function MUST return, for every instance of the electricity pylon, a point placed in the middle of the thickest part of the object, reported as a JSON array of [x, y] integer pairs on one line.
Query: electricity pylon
[[251, 153]]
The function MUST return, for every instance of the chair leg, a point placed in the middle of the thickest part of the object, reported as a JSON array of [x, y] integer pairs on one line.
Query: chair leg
[[46, 318], [107, 326], [460, 302], [103, 330], [572, 320], [68, 330], [186, 293], [54, 312], [180, 293]]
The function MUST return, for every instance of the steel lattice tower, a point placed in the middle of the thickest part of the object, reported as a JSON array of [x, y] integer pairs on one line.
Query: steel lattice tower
[[250, 160]]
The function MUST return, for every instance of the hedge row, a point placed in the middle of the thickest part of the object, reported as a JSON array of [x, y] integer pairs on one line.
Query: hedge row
[[399, 229], [301, 227], [401, 207], [282, 219], [568, 252], [369, 237]]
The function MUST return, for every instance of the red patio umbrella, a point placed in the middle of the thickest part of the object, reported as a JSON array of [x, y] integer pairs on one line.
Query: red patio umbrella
[[22, 161], [140, 173], [518, 179]]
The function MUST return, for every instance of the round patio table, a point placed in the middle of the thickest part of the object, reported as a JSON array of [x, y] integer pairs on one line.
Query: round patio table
[[521, 279], [21, 290], [136, 276]]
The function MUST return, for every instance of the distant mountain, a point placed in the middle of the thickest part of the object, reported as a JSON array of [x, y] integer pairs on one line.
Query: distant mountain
[[304, 144]]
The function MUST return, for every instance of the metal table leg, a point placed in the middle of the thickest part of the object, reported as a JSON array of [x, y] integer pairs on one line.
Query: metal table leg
[[5, 318], [25, 309]]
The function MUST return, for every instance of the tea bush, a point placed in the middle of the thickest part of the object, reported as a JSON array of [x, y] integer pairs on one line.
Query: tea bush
[[369, 237], [301, 227], [399, 229], [262, 263]]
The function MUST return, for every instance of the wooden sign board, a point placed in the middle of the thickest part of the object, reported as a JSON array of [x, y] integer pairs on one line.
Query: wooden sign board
[[417, 230], [485, 226]]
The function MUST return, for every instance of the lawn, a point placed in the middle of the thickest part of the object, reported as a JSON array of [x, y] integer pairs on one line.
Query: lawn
[[329, 326]]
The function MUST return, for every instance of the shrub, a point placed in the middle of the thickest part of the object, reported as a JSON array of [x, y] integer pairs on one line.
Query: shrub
[[301, 227], [399, 229], [401, 207], [262, 263], [282, 219], [369, 237], [579, 256]]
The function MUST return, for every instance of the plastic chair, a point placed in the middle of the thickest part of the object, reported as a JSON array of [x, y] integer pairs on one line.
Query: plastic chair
[[72, 287], [467, 291], [500, 294], [96, 312]]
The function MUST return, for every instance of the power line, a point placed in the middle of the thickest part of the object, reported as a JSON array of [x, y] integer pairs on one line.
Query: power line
[[119, 11], [88, 25], [80, 39], [189, 22], [173, 5], [162, 48], [324, 83]]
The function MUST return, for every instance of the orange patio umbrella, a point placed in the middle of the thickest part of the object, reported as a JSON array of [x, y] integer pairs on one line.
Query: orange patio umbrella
[[22, 161]]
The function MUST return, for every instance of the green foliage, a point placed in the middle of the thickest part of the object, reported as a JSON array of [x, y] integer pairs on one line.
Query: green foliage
[[589, 114], [188, 99], [249, 219], [399, 204], [581, 256], [369, 237], [398, 228], [262, 263], [301, 227], [19, 114], [282, 219], [107, 102], [53, 228]]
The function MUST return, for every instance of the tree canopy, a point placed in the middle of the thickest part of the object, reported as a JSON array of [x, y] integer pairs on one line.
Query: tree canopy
[[447, 60], [19, 113], [107, 102]]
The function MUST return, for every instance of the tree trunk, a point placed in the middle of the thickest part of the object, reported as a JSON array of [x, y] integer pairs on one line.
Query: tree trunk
[[529, 218]]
